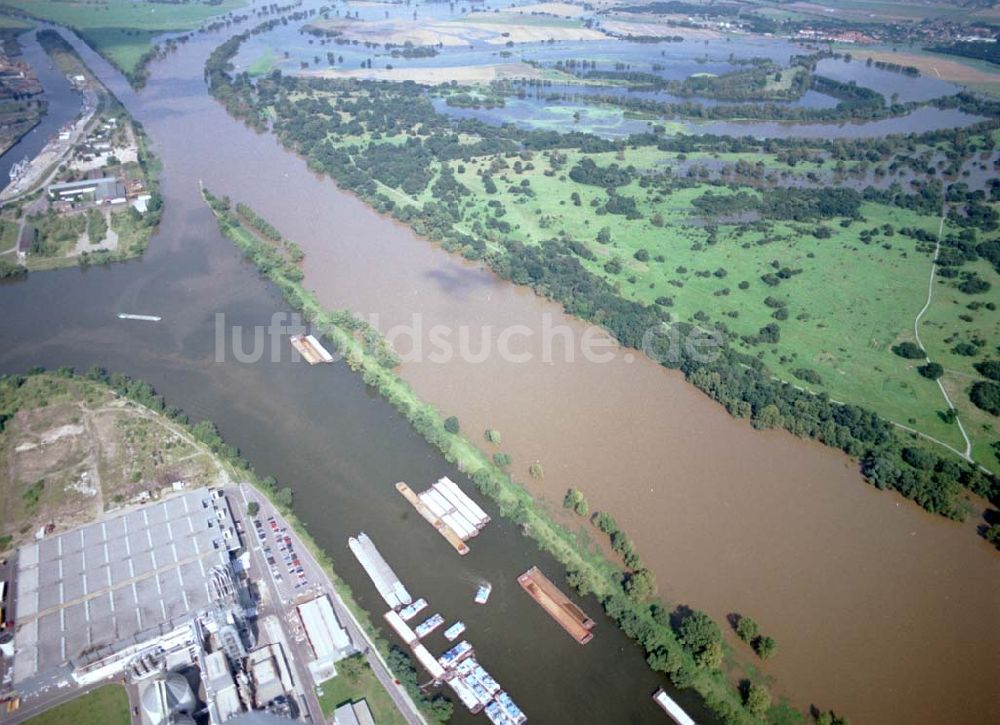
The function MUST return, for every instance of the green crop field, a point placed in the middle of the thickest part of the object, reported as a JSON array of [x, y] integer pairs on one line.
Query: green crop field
[[122, 30], [107, 705]]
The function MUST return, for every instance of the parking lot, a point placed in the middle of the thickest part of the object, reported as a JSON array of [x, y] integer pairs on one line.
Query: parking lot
[[276, 544]]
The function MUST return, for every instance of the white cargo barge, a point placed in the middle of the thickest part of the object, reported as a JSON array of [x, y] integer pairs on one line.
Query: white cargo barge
[[412, 610], [428, 625], [456, 516], [673, 710], [481, 518], [382, 575], [465, 694], [310, 349], [454, 631], [455, 655]]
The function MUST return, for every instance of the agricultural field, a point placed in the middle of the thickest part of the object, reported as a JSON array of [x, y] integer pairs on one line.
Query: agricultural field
[[974, 74], [8, 23], [879, 11], [71, 449], [121, 30]]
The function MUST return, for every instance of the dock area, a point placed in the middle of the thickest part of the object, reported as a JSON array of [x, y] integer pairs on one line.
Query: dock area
[[569, 616], [382, 575], [449, 510], [457, 668], [310, 349]]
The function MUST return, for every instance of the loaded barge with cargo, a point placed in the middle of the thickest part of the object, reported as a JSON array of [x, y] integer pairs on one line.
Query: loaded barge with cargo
[[428, 625], [454, 631], [446, 531], [569, 616], [448, 509], [412, 610], [310, 349], [478, 691], [381, 574]]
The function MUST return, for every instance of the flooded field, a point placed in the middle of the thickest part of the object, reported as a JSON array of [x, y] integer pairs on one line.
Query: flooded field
[[880, 610]]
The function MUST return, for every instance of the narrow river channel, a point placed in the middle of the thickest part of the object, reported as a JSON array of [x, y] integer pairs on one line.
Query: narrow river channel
[[880, 610], [63, 105]]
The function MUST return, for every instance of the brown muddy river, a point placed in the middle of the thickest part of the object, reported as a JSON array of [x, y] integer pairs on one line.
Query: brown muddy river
[[881, 611]]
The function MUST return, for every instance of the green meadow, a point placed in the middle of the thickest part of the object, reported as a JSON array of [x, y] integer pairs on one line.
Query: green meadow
[[847, 303]]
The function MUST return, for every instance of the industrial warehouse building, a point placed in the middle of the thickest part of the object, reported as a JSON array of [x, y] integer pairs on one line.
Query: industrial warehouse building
[[328, 640], [105, 190], [88, 594]]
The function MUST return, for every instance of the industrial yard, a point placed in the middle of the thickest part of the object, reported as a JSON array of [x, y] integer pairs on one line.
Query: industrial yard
[[72, 451], [169, 585]]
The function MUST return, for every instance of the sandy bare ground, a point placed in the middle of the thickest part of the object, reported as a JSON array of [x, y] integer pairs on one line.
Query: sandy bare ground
[[536, 33], [455, 32], [435, 76], [563, 10], [944, 68], [397, 32], [625, 27]]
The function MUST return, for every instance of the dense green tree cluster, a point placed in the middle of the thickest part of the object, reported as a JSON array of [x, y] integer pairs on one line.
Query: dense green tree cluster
[[575, 500]]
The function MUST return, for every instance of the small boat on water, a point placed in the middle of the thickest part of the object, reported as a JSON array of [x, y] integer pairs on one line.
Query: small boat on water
[[483, 593], [454, 631], [144, 318]]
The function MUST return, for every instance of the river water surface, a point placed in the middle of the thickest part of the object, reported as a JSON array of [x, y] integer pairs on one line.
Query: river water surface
[[880, 610], [320, 430]]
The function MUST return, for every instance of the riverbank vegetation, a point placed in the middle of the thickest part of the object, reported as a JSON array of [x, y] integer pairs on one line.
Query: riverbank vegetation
[[809, 258], [691, 660]]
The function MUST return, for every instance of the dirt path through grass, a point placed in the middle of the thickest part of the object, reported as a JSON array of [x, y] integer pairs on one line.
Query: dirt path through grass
[[916, 333]]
